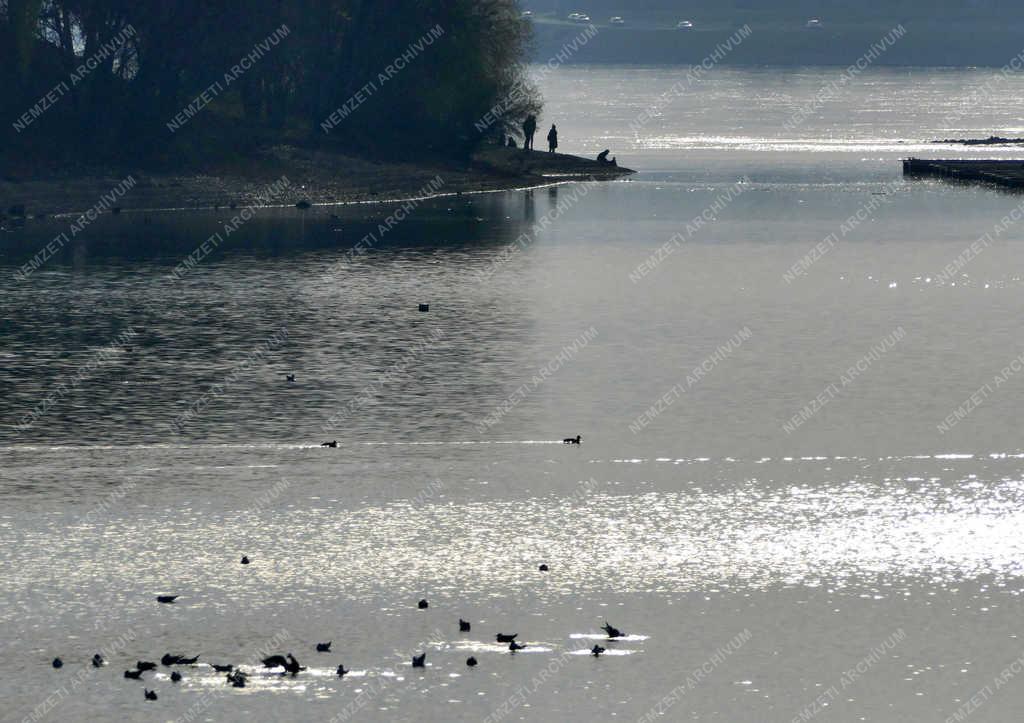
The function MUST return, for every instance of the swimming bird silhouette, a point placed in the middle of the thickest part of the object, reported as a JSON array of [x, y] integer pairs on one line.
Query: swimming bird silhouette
[[223, 668], [57, 663], [145, 665], [505, 638], [419, 661], [423, 604], [175, 677], [275, 661], [543, 568], [342, 671], [245, 560], [613, 632], [133, 674], [150, 694], [169, 659], [572, 440], [166, 598], [292, 666], [289, 377], [514, 646], [330, 444], [97, 661], [471, 661], [188, 661], [463, 626], [237, 679], [596, 650], [323, 647]]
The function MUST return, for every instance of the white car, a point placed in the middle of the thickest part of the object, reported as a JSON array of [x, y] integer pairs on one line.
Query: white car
[[684, 25], [813, 23], [616, 20], [527, 13], [575, 17]]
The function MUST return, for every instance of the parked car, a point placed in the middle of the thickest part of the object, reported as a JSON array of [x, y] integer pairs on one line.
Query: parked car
[[616, 20], [813, 23], [684, 25]]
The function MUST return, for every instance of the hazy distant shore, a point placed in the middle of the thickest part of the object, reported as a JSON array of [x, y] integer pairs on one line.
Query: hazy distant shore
[[286, 175]]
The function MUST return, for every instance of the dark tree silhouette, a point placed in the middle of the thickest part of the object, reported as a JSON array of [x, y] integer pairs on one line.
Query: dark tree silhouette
[[148, 59]]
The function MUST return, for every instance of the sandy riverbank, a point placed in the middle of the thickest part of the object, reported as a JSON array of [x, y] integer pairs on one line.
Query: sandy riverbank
[[319, 177]]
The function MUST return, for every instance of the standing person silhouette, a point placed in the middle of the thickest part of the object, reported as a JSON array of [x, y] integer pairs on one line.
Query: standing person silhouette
[[529, 128], [552, 139]]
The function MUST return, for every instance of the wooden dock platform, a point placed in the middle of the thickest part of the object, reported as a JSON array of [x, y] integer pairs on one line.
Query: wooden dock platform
[[1002, 173]]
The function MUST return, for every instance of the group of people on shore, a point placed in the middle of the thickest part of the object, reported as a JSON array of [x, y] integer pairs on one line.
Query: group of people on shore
[[530, 128]]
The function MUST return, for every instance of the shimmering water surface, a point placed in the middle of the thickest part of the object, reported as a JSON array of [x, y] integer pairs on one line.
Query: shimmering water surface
[[755, 554]]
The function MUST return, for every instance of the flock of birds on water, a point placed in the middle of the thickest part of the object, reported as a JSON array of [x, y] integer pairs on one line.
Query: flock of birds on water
[[290, 666]]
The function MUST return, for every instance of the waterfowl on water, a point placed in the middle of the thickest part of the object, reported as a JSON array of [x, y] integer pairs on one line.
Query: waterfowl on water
[[175, 677], [471, 661], [57, 663], [423, 604], [223, 668], [342, 671], [514, 646], [150, 694], [543, 568], [572, 440], [133, 674], [166, 598], [145, 665], [292, 666], [506, 638], [419, 661], [245, 560], [237, 679], [323, 647], [97, 661], [464, 626], [289, 377], [613, 632], [330, 444], [596, 650]]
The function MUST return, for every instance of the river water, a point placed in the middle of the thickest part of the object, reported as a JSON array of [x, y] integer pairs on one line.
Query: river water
[[796, 377]]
